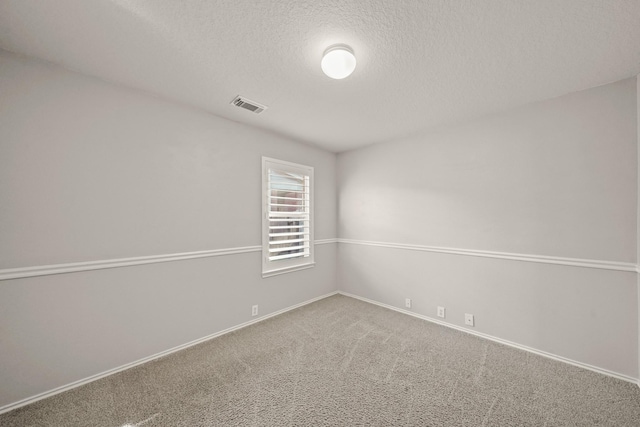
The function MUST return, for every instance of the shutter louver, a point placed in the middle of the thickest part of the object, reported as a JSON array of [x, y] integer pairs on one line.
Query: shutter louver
[[288, 210]]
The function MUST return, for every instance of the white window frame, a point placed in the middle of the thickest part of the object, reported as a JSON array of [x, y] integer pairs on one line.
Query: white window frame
[[281, 266]]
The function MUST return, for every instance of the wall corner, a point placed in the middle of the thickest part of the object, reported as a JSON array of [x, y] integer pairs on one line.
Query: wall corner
[[638, 211]]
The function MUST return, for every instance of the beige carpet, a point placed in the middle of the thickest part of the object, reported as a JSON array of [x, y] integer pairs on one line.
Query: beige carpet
[[343, 362]]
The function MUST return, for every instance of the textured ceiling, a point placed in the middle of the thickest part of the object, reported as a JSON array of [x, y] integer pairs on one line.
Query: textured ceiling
[[420, 63]]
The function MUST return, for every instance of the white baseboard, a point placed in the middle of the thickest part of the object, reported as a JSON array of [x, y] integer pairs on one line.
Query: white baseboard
[[84, 381], [87, 380], [499, 340]]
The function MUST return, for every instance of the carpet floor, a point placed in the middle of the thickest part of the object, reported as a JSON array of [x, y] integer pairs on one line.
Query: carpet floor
[[343, 362]]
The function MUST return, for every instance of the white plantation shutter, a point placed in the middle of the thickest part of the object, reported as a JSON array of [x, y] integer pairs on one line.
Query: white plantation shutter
[[287, 217]]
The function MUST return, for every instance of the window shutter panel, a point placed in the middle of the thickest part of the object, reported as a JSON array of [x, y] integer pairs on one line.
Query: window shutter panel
[[288, 210]]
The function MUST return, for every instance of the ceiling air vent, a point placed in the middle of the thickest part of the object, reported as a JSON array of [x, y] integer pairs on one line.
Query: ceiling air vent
[[247, 104]]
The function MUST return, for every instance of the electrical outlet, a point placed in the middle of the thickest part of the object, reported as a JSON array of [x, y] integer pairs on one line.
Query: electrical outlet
[[407, 302], [254, 310], [468, 319], [441, 312]]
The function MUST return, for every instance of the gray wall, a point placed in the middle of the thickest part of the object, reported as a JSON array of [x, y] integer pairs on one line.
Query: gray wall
[[92, 171], [552, 179]]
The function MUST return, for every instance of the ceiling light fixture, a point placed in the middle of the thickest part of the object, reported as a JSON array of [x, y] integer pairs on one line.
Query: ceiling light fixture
[[338, 61]]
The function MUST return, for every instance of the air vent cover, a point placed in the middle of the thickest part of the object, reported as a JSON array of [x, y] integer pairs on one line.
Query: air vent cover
[[247, 104]]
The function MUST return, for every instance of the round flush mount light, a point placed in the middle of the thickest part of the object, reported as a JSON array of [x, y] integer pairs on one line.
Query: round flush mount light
[[338, 61]]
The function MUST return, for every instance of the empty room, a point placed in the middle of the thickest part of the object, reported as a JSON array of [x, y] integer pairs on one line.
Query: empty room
[[319, 213]]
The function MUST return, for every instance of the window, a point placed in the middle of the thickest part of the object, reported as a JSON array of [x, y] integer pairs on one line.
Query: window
[[287, 217]]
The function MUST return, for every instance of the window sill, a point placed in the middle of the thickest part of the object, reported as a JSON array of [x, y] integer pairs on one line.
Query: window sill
[[286, 270]]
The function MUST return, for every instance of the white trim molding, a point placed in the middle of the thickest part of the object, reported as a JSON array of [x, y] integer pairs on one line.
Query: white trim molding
[[573, 262], [288, 270], [325, 241], [46, 270], [84, 381], [499, 340]]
